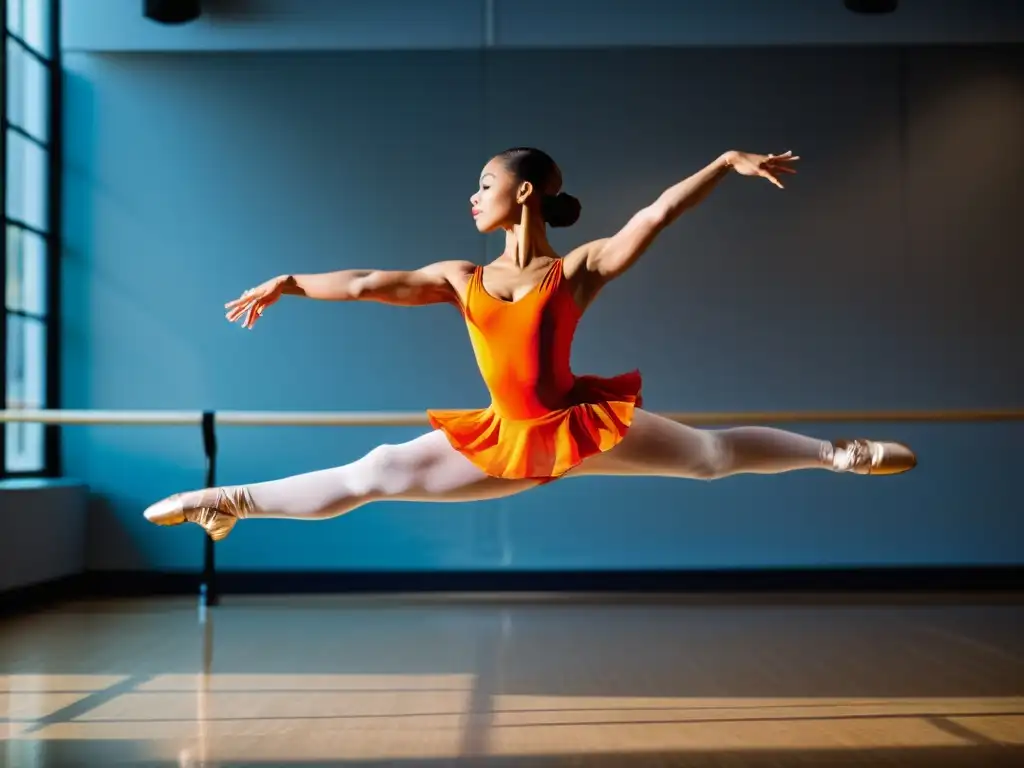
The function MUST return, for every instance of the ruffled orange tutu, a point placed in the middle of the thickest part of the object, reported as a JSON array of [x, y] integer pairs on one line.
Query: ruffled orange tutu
[[545, 447]]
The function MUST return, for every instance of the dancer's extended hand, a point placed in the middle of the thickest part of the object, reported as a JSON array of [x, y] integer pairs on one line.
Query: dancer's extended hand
[[766, 166], [253, 302]]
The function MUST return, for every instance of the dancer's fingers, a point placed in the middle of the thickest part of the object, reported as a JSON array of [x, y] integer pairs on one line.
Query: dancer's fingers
[[248, 307], [241, 301], [241, 314], [236, 313], [246, 298], [772, 179]]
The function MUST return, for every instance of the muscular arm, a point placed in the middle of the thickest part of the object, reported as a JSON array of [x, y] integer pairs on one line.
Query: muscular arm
[[606, 259], [439, 283], [432, 284]]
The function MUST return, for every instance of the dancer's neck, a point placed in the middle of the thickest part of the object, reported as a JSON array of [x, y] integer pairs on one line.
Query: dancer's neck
[[526, 242]]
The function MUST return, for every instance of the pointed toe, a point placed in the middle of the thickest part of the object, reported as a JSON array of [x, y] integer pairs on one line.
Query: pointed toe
[[212, 509], [873, 457], [896, 459], [167, 511]]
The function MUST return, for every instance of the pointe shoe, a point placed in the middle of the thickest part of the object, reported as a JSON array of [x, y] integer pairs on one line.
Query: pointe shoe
[[872, 457], [214, 510]]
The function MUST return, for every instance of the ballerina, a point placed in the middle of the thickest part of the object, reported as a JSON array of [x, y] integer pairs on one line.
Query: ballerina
[[544, 422]]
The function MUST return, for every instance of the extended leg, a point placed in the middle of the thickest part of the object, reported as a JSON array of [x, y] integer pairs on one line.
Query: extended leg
[[424, 469], [658, 446]]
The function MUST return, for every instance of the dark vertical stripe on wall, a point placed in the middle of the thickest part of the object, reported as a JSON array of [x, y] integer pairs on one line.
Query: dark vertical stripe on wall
[[3, 239], [903, 128], [51, 446], [488, 27]]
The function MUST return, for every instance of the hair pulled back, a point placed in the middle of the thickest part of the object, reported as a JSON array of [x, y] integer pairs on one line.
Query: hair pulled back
[[535, 166]]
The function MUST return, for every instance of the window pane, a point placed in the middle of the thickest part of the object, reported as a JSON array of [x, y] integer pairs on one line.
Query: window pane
[[26, 271], [14, 14], [26, 181], [26, 383], [27, 91], [24, 446], [30, 20], [26, 362]]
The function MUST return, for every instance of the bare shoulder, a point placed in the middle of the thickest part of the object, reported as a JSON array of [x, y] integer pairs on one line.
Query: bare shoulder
[[449, 270], [457, 273], [454, 274], [575, 263]]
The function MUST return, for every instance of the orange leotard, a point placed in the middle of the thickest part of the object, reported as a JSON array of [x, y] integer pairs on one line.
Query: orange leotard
[[543, 420]]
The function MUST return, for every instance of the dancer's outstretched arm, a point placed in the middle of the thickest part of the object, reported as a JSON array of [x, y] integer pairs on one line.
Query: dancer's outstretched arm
[[432, 284], [605, 259]]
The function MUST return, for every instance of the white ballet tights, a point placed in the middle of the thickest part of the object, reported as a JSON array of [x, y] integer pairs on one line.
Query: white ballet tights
[[429, 469], [424, 469]]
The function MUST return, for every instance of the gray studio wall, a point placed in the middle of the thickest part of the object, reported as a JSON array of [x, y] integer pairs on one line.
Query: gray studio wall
[[882, 278]]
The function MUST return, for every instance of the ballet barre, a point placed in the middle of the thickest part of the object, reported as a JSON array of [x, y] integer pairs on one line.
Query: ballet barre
[[61, 417], [209, 420]]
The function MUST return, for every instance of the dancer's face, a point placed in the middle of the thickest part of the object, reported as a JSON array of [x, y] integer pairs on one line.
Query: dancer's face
[[499, 201]]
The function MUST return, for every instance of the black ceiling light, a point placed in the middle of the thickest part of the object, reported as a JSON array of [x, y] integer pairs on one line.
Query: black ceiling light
[[871, 6], [171, 11]]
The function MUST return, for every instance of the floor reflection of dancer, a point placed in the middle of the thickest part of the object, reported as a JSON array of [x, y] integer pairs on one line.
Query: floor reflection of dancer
[[544, 422]]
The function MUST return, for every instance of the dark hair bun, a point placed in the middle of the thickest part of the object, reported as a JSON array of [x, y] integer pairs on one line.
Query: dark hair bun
[[560, 210]]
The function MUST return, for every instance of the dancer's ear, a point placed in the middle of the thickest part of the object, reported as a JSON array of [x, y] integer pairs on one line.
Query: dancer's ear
[[524, 192]]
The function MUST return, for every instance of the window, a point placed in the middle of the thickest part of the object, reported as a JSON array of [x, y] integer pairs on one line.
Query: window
[[31, 205]]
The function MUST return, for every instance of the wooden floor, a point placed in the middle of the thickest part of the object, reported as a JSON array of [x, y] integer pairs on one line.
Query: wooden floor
[[516, 681]]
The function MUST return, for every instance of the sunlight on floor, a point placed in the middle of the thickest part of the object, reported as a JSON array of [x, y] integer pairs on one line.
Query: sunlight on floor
[[282, 682], [259, 717]]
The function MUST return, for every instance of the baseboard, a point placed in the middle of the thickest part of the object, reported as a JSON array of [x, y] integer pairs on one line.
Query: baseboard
[[36, 596], [807, 581], [906, 579]]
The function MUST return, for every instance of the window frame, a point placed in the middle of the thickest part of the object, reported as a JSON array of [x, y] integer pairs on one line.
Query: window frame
[[50, 233]]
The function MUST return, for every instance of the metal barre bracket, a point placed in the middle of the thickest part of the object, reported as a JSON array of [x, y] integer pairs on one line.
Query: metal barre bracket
[[208, 585]]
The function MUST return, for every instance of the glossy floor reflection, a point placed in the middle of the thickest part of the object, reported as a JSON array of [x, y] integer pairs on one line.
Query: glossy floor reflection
[[522, 681]]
